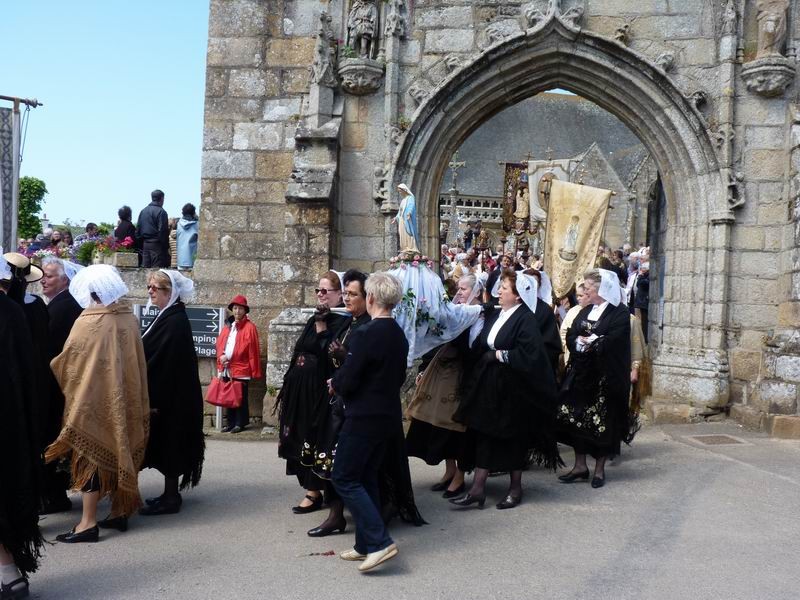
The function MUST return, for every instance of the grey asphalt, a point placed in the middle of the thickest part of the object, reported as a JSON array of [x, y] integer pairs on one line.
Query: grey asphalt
[[677, 519]]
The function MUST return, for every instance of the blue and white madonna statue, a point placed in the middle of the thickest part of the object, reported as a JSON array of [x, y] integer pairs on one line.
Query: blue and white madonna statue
[[406, 219]]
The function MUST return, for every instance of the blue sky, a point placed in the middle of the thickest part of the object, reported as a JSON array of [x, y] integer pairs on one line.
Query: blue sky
[[123, 90]]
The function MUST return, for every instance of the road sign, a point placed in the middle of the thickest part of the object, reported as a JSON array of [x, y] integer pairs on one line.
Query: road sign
[[206, 322]]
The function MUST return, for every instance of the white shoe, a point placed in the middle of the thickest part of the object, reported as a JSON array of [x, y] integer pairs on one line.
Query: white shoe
[[373, 559], [352, 555]]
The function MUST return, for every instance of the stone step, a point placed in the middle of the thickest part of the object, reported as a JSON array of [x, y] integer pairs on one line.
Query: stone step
[[784, 426]]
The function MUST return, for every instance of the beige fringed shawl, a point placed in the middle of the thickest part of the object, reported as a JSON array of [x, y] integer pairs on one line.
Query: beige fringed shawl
[[103, 374], [436, 397]]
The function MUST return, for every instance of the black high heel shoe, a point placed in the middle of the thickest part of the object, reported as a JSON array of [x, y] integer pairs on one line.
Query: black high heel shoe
[[316, 504], [441, 486], [509, 502], [598, 482], [15, 589], [157, 499], [326, 531], [163, 507], [572, 477], [468, 499], [119, 523], [456, 492], [87, 535]]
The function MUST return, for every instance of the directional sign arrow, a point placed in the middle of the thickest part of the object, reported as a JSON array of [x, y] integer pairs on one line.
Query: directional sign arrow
[[211, 326]]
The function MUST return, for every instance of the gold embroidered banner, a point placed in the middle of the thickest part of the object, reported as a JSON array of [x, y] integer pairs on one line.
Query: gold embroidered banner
[[575, 221]]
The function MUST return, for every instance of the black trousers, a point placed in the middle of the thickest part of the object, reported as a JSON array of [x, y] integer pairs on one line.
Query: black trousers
[[154, 255], [239, 416]]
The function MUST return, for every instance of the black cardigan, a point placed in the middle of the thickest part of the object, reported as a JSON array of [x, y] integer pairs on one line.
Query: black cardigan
[[370, 379]]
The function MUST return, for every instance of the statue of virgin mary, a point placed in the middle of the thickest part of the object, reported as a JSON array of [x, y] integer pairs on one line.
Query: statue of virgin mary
[[406, 219]]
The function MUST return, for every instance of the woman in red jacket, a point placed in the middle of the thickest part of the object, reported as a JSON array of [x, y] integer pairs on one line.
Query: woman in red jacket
[[239, 354]]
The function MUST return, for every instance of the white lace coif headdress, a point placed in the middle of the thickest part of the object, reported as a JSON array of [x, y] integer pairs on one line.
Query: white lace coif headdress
[[102, 280], [528, 290], [5, 269], [610, 289], [70, 268], [546, 289], [182, 289]]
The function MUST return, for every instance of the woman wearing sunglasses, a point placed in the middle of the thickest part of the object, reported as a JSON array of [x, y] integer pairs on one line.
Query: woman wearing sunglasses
[[304, 389]]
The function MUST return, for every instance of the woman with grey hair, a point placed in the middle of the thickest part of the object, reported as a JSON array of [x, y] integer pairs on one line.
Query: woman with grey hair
[[369, 383], [433, 435]]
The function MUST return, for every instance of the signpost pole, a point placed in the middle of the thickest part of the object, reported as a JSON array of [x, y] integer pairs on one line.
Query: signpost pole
[[218, 420]]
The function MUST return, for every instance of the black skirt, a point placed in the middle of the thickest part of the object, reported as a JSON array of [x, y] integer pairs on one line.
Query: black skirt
[[498, 455], [433, 444], [301, 398]]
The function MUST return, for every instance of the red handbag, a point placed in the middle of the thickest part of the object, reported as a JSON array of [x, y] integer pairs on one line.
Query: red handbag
[[224, 392]]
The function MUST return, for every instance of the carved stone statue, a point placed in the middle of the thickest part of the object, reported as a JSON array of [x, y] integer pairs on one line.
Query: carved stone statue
[[322, 68], [771, 17], [418, 92], [395, 19], [573, 16], [533, 16], [362, 28], [380, 189], [729, 18]]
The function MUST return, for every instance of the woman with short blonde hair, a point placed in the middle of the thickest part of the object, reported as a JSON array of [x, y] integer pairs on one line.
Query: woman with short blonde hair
[[386, 290]]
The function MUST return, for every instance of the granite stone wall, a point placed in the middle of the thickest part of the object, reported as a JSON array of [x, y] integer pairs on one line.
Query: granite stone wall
[[723, 139]]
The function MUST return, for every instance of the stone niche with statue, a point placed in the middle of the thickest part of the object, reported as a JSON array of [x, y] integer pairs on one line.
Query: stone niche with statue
[[316, 111]]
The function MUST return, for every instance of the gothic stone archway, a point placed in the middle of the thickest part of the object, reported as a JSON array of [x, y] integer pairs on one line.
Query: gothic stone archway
[[691, 364]]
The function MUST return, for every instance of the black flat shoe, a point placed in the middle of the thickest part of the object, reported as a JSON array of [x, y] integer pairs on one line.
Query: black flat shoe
[[87, 535], [572, 477], [316, 504], [226, 429], [441, 486], [508, 502], [15, 589], [118, 523], [468, 499], [598, 482], [326, 531], [456, 492], [164, 507]]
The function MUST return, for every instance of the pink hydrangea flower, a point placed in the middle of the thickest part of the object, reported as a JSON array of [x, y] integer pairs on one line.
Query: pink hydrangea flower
[[415, 263]]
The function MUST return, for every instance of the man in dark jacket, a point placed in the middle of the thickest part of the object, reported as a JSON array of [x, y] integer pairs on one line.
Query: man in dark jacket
[[152, 233], [63, 310]]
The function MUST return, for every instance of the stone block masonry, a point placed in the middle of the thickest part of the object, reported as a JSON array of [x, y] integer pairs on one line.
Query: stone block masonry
[[728, 241]]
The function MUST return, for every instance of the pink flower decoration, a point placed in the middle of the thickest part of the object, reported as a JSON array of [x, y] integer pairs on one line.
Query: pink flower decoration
[[415, 263], [430, 264], [416, 257]]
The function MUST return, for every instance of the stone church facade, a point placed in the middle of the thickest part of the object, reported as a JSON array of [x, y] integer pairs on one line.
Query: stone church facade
[[316, 111]]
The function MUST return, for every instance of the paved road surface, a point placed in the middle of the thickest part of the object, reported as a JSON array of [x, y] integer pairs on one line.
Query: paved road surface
[[677, 519]]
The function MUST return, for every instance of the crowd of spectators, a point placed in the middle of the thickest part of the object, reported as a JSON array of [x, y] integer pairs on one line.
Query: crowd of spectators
[[158, 240]]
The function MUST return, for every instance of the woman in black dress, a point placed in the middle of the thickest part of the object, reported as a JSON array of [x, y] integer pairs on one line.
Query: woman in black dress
[[432, 435], [304, 390], [593, 415], [319, 454], [176, 446], [509, 406]]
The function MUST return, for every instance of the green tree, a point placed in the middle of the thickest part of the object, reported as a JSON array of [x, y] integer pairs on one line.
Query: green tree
[[31, 199]]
